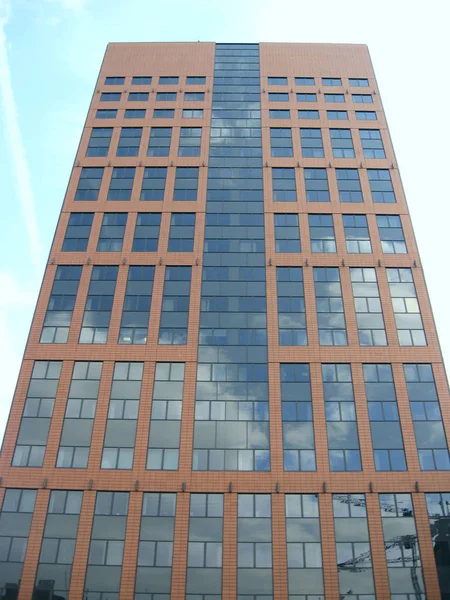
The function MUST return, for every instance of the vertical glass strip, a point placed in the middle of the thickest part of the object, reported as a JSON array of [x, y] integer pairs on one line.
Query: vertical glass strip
[[438, 506], [15, 523], [58, 545], [298, 429], [154, 565], [104, 570], [78, 422], [401, 547], [385, 428], [165, 427], [37, 414], [354, 556], [204, 564], [58, 317], [231, 420], [342, 430], [304, 548], [431, 441], [254, 548], [120, 435]]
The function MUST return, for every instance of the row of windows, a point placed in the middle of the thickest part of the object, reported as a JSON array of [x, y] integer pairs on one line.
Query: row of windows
[[191, 137], [130, 140], [144, 96], [154, 560], [312, 97], [188, 113], [186, 182], [158, 113], [181, 235], [233, 279], [312, 142], [162, 80], [327, 81], [333, 115], [215, 388]]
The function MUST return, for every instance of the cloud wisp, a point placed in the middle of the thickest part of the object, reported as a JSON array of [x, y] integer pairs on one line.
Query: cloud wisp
[[16, 147]]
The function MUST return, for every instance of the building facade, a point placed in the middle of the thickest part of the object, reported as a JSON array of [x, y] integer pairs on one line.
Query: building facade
[[233, 386]]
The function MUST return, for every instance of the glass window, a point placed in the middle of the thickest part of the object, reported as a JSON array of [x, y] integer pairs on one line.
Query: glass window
[[283, 184], [99, 141], [168, 80], [78, 232], [349, 185], [330, 307], [277, 80], [121, 184], [279, 114], [129, 141], [372, 143], [163, 113], [369, 314], [342, 143], [321, 233], [154, 183], [332, 81], [408, 319], [358, 82], [135, 113], [366, 115], [278, 97], [357, 238], [291, 306], [362, 98], [281, 141], [334, 98], [195, 80], [304, 81], [381, 186], [186, 183], [287, 233], [311, 141], [114, 80], [138, 96], [306, 97], [391, 234], [316, 183], [141, 80], [308, 114], [337, 115], [105, 113]]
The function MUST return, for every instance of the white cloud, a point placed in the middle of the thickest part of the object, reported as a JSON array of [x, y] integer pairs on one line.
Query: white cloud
[[73, 5], [16, 147]]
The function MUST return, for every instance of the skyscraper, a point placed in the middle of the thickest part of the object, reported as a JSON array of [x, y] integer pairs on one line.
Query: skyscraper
[[232, 386]]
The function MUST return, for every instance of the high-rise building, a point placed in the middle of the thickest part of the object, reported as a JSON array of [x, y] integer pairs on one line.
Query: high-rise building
[[232, 387]]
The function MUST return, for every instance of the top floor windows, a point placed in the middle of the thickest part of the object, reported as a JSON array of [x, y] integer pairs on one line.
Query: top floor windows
[[168, 80], [114, 80], [277, 80], [332, 81], [195, 80], [304, 81], [358, 82], [141, 80]]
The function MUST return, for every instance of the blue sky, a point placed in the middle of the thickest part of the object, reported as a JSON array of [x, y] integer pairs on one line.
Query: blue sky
[[50, 54]]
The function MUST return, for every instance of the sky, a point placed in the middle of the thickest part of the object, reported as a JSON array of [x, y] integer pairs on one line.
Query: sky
[[50, 54]]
